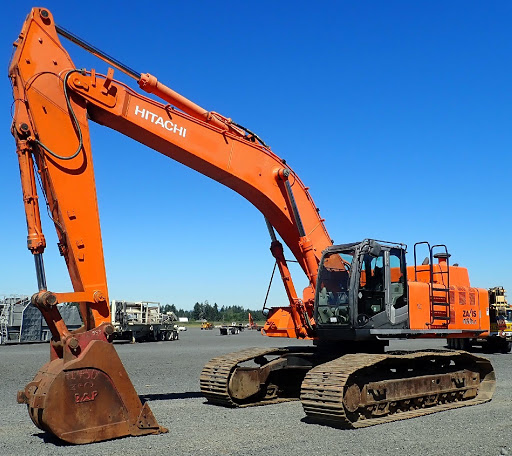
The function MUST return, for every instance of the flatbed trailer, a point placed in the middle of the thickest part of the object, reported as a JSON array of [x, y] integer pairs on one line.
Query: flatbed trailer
[[142, 321], [234, 328]]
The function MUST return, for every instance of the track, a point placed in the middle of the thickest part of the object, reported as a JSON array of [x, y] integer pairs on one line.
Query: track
[[216, 375], [360, 390], [356, 390]]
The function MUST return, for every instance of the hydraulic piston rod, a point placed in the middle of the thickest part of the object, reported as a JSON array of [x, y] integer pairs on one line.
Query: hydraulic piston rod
[[98, 53], [41, 276]]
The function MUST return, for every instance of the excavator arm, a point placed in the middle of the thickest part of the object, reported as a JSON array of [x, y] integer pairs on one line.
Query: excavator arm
[[53, 103]]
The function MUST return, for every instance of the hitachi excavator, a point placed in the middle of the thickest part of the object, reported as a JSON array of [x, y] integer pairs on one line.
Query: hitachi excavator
[[359, 295]]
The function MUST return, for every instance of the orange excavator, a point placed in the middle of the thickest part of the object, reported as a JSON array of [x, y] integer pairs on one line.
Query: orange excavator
[[359, 295], [253, 325]]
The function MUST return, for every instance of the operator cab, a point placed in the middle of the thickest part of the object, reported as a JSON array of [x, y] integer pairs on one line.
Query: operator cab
[[361, 286]]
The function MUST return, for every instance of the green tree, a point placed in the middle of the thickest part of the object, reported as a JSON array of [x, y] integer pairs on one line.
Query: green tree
[[198, 311]]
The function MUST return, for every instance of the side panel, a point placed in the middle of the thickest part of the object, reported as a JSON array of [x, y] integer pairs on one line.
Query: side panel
[[419, 305], [483, 305], [465, 312]]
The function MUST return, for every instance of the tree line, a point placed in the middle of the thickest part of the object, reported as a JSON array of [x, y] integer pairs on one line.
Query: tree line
[[204, 310]]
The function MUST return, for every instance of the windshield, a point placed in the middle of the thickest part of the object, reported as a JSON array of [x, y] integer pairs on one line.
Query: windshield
[[332, 290]]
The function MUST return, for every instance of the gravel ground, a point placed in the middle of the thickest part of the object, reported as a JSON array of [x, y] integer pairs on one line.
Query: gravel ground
[[167, 373]]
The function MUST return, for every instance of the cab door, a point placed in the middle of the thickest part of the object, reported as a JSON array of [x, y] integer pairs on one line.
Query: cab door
[[395, 290]]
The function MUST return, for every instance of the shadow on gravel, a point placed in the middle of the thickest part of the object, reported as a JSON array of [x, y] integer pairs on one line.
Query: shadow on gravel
[[484, 349], [167, 396], [308, 420], [46, 437]]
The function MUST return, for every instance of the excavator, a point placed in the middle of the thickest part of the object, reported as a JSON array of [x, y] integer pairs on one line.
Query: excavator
[[253, 325], [359, 295]]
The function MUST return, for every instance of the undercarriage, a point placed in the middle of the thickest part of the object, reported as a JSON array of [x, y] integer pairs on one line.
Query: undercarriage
[[352, 390]]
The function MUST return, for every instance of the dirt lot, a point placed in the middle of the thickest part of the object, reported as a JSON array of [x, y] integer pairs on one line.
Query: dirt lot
[[167, 374]]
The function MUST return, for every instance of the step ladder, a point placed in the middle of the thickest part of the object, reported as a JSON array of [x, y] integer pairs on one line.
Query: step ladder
[[439, 284]]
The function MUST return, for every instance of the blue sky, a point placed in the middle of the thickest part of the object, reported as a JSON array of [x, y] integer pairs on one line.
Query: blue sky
[[396, 114]]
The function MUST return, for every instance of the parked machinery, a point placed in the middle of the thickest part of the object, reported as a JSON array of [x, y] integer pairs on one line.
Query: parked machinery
[[233, 328], [142, 321], [358, 294], [253, 325]]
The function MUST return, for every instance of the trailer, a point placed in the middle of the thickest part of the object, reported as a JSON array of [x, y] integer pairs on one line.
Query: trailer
[[234, 328], [142, 321]]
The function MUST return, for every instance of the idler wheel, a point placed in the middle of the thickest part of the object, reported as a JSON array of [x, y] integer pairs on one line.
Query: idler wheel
[[352, 398]]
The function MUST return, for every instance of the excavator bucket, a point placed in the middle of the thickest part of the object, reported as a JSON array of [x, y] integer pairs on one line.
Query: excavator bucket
[[89, 397]]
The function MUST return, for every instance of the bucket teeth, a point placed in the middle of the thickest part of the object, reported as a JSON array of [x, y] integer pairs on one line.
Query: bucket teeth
[[147, 420]]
